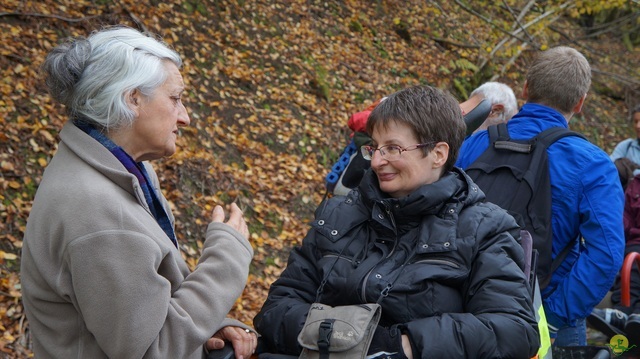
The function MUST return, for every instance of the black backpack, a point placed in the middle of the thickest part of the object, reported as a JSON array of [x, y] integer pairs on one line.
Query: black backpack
[[514, 174]]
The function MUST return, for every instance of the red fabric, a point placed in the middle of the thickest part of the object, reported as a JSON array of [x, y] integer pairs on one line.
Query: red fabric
[[358, 121]]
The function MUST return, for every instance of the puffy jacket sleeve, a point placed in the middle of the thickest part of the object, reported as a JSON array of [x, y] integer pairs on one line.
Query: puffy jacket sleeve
[[498, 321], [290, 297]]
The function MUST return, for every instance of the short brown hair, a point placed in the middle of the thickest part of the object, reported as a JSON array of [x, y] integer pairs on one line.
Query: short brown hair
[[558, 78], [432, 114]]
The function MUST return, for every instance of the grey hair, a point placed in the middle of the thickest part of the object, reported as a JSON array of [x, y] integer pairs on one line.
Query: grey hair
[[92, 77], [499, 93], [559, 78]]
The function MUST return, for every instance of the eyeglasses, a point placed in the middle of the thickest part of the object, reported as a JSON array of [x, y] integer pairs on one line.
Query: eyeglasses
[[390, 152]]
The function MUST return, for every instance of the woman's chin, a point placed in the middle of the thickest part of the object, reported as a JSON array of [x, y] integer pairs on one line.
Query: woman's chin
[[388, 189]]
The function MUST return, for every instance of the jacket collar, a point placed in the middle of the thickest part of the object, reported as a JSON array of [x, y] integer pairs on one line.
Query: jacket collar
[[534, 118], [103, 161], [454, 190]]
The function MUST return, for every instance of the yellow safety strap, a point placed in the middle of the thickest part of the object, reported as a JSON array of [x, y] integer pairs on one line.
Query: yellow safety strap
[[545, 339]]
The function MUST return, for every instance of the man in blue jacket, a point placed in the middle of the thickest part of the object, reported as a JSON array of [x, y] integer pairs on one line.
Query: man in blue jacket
[[587, 199]]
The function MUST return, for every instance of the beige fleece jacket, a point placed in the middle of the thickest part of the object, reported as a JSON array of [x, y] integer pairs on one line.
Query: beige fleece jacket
[[101, 279]]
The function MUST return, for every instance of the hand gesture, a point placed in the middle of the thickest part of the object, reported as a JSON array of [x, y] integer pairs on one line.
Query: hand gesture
[[236, 220]]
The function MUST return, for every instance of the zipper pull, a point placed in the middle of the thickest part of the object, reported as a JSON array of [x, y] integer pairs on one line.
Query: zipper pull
[[320, 289], [384, 293]]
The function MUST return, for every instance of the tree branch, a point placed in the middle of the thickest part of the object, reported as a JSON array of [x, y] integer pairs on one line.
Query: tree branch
[[488, 21], [33, 14], [510, 40], [623, 79], [518, 19], [135, 19], [597, 53], [506, 39], [612, 26], [450, 42]]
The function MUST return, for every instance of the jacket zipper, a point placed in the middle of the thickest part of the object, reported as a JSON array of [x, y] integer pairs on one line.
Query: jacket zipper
[[439, 261], [386, 290], [339, 257]]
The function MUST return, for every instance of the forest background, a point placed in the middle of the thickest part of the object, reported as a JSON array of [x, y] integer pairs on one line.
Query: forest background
[[270, 86]]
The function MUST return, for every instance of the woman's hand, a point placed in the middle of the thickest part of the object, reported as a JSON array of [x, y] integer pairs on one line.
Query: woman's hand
[[244, 342], [236, 220]]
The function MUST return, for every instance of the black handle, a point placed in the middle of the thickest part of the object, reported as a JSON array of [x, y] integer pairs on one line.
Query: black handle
[[225, 353], [476, 117]]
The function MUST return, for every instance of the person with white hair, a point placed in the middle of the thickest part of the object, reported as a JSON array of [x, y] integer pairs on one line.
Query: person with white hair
[[102, 273], [503, 103]]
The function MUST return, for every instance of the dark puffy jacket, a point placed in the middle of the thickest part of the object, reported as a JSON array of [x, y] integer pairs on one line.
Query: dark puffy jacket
[[449, 265]]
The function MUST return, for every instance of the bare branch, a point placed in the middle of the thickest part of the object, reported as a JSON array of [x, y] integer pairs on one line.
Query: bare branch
[[33, 14], [488, 21], [510, 40], [623, 79], [612, 26], [513, 58], [518, 19], [593, 51], [525, 10], [15, 57], [135, 19], [520, 27], [458, 44]]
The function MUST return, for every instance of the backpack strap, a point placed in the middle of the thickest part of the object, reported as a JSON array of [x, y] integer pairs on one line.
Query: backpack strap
[[499, 137], [551, 135], [545, 139], [555, 263], [498, 132]]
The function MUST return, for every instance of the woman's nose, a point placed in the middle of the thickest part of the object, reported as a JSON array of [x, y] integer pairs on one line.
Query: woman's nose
[[376, 159], [183, 116]]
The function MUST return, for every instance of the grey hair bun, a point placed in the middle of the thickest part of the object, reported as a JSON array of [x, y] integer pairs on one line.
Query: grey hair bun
[[63, 68]]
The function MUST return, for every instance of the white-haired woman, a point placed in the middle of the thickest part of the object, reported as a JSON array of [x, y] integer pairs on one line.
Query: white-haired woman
[[102, 275]]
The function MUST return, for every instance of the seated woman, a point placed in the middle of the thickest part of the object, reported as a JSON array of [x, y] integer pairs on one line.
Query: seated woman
[[102, 274], [416, 237]]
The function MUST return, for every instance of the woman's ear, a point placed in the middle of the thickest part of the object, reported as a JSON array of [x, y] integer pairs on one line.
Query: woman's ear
[[133, 100], [441, 154]]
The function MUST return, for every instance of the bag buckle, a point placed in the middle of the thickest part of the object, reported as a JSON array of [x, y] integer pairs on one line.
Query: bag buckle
[[324, 336]]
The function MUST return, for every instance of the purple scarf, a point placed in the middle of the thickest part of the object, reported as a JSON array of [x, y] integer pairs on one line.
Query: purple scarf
[[136, 169]]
